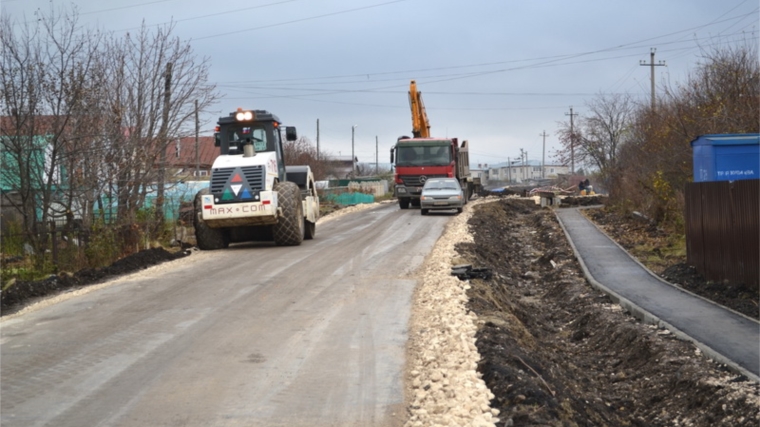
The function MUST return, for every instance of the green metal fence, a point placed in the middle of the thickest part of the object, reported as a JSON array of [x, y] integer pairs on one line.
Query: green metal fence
[[344, 196]]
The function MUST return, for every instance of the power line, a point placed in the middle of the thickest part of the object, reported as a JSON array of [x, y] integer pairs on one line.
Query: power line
[[380, 90], [105, 10], [300, 20], [396, 92], [212, 14], [627, 46], [540, 65], [123, 7], [448, 77]]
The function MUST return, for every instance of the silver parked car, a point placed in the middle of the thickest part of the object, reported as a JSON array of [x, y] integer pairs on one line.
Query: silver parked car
[[441, 193]]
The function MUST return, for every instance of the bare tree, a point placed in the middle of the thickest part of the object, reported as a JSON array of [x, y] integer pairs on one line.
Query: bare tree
[[598, 136], [21, 151], [82, 115], [44, 73], [136, 66], [303, 152], [721, 95], [369, 169]]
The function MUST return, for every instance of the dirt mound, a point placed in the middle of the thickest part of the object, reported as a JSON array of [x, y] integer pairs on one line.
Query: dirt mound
[[573, 201], [737, 296], [22, 292], [556, 352]]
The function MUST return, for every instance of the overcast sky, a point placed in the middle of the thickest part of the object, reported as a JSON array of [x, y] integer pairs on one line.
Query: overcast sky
[[495, 72]]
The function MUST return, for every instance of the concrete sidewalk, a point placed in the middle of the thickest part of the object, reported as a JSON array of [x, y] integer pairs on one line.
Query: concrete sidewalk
[[722, 334]]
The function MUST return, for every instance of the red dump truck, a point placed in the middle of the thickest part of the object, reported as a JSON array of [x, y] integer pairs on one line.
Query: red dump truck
[[417, 159], [421, 157]]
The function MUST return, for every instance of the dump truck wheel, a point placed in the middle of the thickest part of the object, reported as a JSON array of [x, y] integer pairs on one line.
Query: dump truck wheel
[[290, 228], [311, 230], [403, 203], [423, 211], [415, 203], [207, 238]]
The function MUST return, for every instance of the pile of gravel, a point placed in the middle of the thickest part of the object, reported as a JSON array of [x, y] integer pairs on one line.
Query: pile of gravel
[[443, 385]]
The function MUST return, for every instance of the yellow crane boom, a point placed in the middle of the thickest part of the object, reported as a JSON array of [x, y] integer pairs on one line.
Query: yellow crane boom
[[420, 124]]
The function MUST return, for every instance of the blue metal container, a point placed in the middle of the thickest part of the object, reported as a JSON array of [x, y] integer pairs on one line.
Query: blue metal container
[[726, 157]]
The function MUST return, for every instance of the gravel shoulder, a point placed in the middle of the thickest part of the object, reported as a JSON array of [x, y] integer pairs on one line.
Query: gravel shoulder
[[444, 387]]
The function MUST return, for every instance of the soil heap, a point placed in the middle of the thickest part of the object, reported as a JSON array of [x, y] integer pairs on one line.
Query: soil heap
[[556, 352]]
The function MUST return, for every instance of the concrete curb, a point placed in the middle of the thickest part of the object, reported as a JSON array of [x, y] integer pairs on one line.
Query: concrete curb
[[649, 318], [660, 279]]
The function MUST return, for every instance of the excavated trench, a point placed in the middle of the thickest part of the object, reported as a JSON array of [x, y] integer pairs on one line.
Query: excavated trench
[[556, 352]]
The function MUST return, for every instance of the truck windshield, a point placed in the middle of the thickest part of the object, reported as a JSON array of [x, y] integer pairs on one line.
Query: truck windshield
[[428, 155], [237, 136]]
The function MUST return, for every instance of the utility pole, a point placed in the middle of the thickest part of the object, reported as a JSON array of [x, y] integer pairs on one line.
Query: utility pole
[[651, 65], [353, 157], [163, 143], [197, 141], [509, 170], [377, 168], [543, 157], [317, 139], [572, 141]]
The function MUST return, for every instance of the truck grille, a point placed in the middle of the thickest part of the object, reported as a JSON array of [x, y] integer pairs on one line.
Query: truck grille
[[255, 177], [248, 181], [415, 181]]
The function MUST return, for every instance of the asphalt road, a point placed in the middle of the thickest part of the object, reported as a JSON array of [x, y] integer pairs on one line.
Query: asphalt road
[[254, 335]]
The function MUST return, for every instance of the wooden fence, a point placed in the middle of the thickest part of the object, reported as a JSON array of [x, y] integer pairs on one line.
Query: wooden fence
[[723, 231]]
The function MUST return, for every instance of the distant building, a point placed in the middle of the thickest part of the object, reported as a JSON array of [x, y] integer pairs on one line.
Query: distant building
[[532, 171], [340, 167], [480, 173], [181, 156]]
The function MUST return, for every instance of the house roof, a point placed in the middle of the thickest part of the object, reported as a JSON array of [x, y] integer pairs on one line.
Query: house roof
[[42, 124], [181, 152]]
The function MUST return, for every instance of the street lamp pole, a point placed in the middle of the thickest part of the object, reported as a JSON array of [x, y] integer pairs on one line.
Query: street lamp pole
[[353, 157]]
